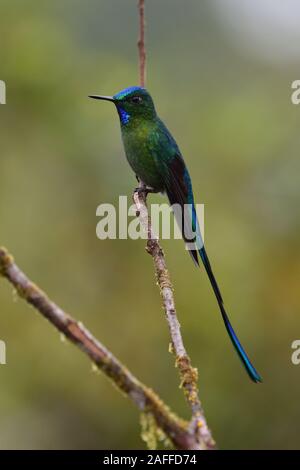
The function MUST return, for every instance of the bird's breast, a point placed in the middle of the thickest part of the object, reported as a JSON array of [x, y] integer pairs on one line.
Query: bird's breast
[[140, 149]]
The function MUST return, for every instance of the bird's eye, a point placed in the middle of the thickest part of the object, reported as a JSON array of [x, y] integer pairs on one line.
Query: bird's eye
[[136, 99]]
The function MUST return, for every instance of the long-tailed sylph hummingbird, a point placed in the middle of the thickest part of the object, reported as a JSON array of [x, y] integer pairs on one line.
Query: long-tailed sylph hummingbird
[[157, 162]]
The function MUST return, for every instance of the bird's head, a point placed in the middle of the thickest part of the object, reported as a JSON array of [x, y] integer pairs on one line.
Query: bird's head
[[132, 103]]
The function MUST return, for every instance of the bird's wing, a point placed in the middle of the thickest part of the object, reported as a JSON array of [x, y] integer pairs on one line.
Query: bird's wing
[[178, 188]]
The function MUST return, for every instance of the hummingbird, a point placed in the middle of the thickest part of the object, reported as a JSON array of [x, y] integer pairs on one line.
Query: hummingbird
[[154, 156]]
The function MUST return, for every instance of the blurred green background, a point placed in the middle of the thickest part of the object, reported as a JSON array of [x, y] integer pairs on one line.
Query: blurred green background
[[220, 73]]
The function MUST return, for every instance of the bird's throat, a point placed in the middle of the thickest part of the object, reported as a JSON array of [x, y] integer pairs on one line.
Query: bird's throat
[[124, 116]]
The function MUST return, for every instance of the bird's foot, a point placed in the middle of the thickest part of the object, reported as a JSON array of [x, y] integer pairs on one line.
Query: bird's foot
[[144, 190]]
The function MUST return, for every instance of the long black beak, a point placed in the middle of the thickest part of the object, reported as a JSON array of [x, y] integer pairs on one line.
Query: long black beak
[[100, 97]]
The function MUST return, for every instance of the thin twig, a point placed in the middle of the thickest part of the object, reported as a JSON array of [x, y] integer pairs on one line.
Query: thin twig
[[141, 43], [188, 374], [176, 429]]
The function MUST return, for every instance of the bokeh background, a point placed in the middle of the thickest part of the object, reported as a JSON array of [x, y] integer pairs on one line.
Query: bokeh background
[[220, 72]]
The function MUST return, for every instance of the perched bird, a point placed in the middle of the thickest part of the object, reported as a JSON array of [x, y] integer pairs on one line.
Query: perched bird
[[156, 160]]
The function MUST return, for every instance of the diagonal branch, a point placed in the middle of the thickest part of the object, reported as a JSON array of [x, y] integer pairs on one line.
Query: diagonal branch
[[176, 429], [188, 374]]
